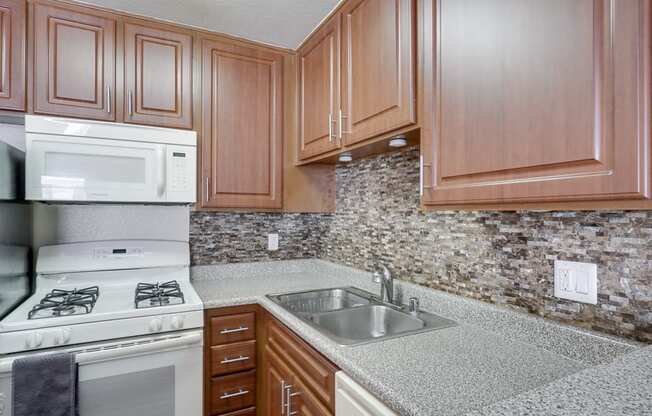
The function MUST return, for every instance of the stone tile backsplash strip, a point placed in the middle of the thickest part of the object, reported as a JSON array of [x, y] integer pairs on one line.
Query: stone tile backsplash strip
[[499, 257], [222, 237]]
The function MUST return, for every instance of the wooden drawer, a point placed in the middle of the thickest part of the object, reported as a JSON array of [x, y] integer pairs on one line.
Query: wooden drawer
[[234, 392], [230, 358], [250, 411], [233, 328], [317, 373]]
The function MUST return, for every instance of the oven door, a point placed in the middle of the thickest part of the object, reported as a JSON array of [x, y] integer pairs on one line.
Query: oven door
[[153, 376], [65, 168]]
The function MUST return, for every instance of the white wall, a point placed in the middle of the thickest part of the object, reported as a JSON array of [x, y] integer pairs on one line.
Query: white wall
[[54, 224]]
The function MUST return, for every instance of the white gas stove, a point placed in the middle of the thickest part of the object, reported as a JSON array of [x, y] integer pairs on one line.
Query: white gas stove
[[107, 302]]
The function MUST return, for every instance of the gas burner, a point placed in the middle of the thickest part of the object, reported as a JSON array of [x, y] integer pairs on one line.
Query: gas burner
[[158, 294], [65, 302]]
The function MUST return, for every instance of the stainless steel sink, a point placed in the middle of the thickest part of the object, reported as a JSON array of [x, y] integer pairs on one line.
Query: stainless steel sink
[[317, 301], [352, 316]]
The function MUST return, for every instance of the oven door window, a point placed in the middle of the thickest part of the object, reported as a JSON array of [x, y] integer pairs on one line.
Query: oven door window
[[143, 393]]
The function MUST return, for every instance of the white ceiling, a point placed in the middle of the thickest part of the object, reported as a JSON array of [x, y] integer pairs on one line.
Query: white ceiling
[[277, 22]]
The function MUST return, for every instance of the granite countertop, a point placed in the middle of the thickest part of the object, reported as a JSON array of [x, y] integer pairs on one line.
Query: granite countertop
[[495, 362]]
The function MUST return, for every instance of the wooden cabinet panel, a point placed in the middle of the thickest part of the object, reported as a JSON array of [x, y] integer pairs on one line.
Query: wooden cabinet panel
[[542, 100], [231, 358], [233, 392], [158, 76], [232, 328], [378, 67], [319, 91], [242, 126], [276, 377], [315, 371], [251, 411], [74, 63], [12, 59]]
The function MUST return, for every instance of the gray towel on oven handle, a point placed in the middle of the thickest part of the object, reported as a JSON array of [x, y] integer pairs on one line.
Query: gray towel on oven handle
[[44, 385]]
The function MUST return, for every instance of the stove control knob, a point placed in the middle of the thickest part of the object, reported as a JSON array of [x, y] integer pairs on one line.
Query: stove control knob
[[62, 336], [155, 325], [176, 322], [34, 340]]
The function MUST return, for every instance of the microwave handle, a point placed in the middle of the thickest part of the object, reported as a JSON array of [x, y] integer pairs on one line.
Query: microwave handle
[[162, 171], [118, 351]]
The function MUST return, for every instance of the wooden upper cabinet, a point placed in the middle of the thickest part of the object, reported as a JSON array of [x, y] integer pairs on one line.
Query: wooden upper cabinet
[[74, 63], [158, 76], [12, 59], [378, 67], [319, 91], [537, 100], [242, 144]]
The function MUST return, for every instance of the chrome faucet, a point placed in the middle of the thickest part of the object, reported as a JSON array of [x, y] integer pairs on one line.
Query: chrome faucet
[[386, 281]]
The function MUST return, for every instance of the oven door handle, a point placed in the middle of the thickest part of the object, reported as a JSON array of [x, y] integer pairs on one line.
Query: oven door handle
[[121, 350]]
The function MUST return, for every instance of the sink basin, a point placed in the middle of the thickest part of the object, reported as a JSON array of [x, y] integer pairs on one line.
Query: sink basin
[[352, 316], [368, 322], [317, 301]]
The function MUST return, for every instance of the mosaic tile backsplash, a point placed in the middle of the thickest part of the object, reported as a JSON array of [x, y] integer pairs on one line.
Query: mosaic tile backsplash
[[222, 237], [504, 258]]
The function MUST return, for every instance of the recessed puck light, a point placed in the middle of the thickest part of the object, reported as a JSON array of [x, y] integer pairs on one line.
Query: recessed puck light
[[398, 141], [345, 157]]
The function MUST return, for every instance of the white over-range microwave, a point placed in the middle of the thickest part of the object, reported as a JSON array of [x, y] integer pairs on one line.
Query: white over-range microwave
[[91, 161]]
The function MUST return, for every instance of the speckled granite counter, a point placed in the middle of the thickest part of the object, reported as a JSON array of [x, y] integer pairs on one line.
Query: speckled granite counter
[[495, 361]]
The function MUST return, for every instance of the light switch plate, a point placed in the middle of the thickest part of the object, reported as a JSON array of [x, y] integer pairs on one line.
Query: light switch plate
[[576, 281], [272, 242]]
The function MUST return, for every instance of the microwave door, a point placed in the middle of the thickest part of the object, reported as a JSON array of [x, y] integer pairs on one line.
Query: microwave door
[[86, 169]]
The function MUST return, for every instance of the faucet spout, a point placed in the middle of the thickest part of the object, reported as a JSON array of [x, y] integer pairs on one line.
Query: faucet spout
[[386, 281]]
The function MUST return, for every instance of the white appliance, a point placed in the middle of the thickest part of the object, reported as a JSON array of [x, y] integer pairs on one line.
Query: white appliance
[[93, 161], [351, 399], [128, 312]]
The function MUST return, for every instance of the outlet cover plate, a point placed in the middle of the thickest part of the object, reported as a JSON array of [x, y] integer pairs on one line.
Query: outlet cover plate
[[272, 242], [576, 281]]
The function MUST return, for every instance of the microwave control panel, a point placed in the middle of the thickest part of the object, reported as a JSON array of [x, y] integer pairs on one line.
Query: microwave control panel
[[181, 168]]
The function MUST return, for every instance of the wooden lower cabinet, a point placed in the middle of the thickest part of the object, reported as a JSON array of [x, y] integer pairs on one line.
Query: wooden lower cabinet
[[267, 370]]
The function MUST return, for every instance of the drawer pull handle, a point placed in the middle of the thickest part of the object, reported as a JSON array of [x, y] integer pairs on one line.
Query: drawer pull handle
[[233, 331], [238, 393], [234, 360]]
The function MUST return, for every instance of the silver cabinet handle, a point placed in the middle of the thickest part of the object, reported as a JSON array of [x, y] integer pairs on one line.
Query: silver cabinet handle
[[234, 360], [238, 393], [288, 400], [130, 103], [232, 331], [330, 127], [421, 175], [206, 196], [108, 99]]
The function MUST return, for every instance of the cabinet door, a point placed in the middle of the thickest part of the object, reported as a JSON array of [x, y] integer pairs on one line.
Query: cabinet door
[[158, 78], [304, 402], [378, 67], [242, 126], [12, 59], [275, 380], [74, 63], [319, 91], [537, 100]]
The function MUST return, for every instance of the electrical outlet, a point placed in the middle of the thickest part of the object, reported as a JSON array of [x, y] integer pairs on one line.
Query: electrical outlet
[[272, 242], [576, 281]]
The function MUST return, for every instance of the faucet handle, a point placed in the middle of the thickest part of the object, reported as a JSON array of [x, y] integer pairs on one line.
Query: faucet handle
[[376, 277], [413, 305]]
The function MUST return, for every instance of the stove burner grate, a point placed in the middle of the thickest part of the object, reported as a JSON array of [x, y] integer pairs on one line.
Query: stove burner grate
[[158, 294], [65, 302]]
